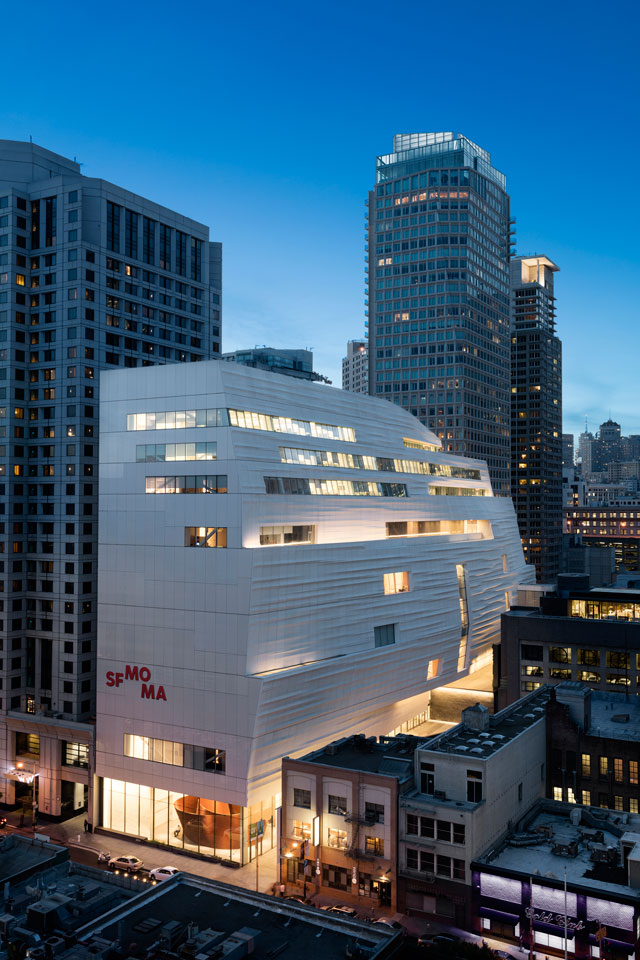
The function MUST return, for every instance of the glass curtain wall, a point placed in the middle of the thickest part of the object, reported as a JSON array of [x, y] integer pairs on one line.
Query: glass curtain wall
[[211, 828]]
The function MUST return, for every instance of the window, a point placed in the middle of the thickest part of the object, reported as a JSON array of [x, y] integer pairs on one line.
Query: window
[[474, 786], [589, 658], [396, 582], [27, 744], [586, 764], [412, 824], [75, 754], [603, 766], [586, 798], [464, 615], [559, 655], [336, 838], [618, 659], [189, 756], [557, 793], [207, 483], [529, 651], [302, 798], [287, 533], [337, 805], [288, 486], [113, 227], [618, 770], [374, 812], [633, 804], [427, 778], [169, 452], [205, 536], [385, 635], [301, 830], [374, 845], [633, 771]]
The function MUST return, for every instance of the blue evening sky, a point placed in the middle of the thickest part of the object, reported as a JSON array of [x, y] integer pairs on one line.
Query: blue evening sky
[[263, 120]]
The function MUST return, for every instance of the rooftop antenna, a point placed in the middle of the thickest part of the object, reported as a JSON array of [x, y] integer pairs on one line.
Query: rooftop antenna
[[30, 138]]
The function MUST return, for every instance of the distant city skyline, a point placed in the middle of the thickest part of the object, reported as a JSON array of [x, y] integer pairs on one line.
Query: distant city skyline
[[272, 142]]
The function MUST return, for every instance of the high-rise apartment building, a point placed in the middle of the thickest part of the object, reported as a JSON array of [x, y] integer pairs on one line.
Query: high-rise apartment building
[[92, 277], [438, 247], [536, 413], [355, 367], [567, 450]]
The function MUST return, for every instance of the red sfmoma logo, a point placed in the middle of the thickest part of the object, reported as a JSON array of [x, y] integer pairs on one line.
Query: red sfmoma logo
[[148, 691]]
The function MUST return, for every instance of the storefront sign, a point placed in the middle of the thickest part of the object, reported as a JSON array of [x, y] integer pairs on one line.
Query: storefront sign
[[555, 919], [148, 691]]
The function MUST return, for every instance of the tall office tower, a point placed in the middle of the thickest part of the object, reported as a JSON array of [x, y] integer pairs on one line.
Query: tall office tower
[[536, 413], [583, 460], [439, 246], [355, 367], [92, 277], [567, 450]]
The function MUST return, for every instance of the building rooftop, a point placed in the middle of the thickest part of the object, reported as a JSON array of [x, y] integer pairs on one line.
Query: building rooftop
[[548, 842], [20, 857], [480, 734], [388, 756], [222, 914], [615, 716]]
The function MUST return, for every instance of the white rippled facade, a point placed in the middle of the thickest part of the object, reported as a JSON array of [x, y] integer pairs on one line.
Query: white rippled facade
[[265, 651]]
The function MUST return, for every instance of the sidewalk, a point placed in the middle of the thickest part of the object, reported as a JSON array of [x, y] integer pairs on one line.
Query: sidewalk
[[71, 833]]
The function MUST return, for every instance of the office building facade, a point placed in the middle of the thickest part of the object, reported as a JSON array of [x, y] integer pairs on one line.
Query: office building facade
[[438, 297], [356, 567], [536, 413], [92, 277], [355, 367]]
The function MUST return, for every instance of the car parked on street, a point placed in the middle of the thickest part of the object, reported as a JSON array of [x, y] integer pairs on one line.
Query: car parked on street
[[128, 864], [437, 940], [163, 873], [391, 924]]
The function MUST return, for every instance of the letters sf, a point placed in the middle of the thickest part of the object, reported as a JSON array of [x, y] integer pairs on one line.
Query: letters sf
[[148, 691]]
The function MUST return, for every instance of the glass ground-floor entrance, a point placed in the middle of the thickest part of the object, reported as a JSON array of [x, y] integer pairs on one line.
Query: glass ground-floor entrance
[[191, 824]]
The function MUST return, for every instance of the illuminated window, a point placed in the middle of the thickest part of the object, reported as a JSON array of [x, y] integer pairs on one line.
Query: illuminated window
[[336, 838], [421, 528], [618, 770], [396, 582], [633, 771], [301, 830], [586, 764], [205, 536], [168, 452], [75, 754], [433, 669], [618, 803], [337, 805], [589, 658], [459, 492], [603, 766], [287, 533], [419, 444], [559, 654], [557, 793], [189, 756], [586, 798], [288, 486], [27, 744], [374, 845], [633, 804]]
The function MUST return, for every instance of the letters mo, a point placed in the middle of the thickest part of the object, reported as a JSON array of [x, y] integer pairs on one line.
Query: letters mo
[[148, 691]]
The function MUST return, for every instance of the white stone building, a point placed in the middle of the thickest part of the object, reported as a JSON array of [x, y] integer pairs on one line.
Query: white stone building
[[354, 567]]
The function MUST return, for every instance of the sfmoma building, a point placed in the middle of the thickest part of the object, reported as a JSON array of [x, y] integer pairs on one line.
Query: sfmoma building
[[281, 564]]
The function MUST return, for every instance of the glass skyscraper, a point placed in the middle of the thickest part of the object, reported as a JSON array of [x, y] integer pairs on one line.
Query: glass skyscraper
[[438, 296]]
